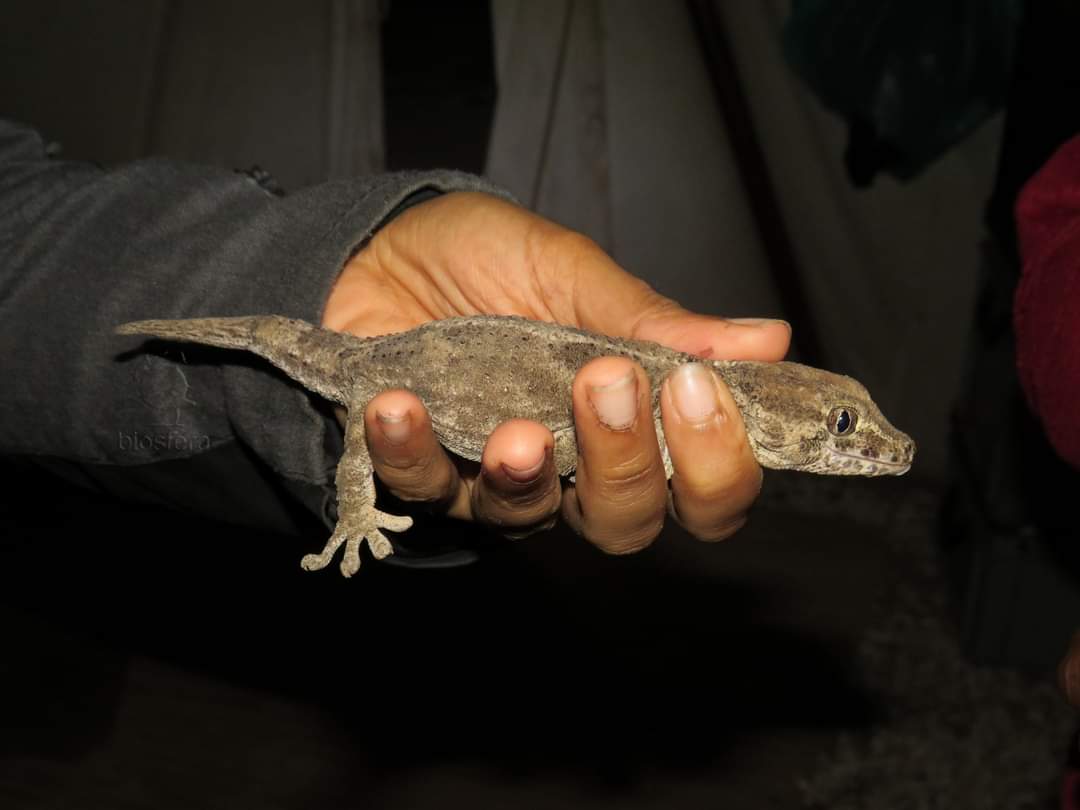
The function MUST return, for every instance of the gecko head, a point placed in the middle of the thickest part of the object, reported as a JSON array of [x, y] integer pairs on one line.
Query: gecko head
[[817, 421]]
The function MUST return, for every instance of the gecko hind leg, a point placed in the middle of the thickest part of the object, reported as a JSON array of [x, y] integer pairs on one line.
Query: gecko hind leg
[[358, 519]]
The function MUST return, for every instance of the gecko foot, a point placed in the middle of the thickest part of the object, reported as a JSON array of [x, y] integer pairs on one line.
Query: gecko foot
[[351, 531]]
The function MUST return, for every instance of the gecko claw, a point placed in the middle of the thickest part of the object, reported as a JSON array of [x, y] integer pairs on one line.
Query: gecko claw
[[379, 545], [315, 562]]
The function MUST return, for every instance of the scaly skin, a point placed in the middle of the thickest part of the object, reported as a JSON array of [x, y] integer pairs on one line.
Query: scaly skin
[[474, 373]]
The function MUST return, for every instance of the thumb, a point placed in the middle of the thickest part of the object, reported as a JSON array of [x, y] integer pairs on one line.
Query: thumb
[[605, 298], [718, 338]]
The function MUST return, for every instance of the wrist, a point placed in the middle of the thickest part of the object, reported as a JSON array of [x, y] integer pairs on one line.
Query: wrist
[[341, 311]]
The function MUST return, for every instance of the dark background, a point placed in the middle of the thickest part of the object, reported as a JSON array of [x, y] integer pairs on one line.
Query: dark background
[[152, 659]]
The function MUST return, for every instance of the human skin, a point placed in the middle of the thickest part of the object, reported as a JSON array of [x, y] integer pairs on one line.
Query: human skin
[[469, 253]]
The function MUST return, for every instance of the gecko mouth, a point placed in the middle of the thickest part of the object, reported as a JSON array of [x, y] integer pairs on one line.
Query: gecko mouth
[[872, 465]]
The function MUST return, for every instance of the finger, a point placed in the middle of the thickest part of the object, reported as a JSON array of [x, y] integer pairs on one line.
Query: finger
[[620, 496], [518, 489], [584, 286], [716, 477], [732, 339], [408, 458]]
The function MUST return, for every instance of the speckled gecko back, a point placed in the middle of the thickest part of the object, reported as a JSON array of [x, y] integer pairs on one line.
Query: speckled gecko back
[[474, 373]]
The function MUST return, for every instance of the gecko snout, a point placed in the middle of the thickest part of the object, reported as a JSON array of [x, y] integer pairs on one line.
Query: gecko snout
[[905, 455]]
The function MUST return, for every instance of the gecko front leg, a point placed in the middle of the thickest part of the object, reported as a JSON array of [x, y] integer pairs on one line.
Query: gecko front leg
[[357, 516]]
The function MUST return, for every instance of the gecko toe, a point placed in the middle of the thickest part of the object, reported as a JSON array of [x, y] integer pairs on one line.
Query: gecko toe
[[395, 523], [314, 562], [379, 545], [350, 563]]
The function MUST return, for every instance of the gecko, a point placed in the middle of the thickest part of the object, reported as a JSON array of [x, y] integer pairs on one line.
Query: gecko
[[473, 373]]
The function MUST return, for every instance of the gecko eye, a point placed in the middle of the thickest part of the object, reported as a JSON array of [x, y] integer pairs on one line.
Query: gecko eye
[[842, 421]]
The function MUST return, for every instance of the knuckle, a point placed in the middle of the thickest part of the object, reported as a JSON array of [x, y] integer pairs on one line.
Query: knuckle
[[626, 541], [720, 531], [525, 508], [539, 500], [423, 478], [575, 242], [402, 464], [739, 484], [547, 243], [711, 515], [629, 479]]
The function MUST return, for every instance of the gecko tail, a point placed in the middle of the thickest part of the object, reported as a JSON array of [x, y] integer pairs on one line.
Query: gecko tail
[[229, 333], [306, 353]]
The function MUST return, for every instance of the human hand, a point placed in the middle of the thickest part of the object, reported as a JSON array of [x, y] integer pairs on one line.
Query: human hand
[[469, 253]]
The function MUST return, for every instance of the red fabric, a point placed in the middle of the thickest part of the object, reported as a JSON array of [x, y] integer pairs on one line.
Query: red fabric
[[1070, 790], [1046, 312]]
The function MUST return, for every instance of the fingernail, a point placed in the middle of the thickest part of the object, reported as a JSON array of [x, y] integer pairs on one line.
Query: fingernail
[[396, 427], [525, 475], [694, 393], [759, 322], [615, 404]]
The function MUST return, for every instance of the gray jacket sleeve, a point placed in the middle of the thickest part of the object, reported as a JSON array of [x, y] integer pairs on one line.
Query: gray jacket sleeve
[[84, 249]]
